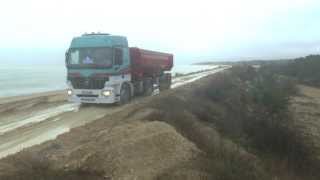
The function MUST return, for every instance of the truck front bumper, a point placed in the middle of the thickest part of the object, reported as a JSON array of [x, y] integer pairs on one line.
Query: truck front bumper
[[93, 96]]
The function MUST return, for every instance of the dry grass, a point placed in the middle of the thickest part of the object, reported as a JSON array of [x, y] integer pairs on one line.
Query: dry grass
[[30, 167]]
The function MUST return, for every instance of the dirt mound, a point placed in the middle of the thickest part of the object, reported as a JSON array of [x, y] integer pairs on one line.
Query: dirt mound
[[136, 150]]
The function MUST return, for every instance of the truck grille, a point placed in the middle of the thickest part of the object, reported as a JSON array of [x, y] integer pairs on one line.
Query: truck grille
[[87, 95], [88, 83]]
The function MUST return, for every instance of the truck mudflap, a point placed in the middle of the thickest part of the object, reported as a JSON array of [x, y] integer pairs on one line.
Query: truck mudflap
[[101, 96]]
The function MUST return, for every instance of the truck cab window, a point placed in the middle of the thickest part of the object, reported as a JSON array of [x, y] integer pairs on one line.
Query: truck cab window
[[118, 56], [74, 57]]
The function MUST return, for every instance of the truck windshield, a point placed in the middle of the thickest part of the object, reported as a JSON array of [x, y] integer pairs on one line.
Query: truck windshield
[[90, 57]]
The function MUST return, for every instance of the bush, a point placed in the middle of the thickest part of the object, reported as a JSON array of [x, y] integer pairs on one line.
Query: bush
[[305, 69], [253, 110], [246, 105], [265, 118]]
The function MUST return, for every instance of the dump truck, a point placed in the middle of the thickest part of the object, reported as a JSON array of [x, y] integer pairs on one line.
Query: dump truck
[[101, 68]]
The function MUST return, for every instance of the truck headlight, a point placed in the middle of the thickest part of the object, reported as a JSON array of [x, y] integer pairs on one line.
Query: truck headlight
[[69, 92], [69, 83], [106, 92]]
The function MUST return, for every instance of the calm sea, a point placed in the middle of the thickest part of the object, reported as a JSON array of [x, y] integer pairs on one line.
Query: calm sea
[[20, 80]]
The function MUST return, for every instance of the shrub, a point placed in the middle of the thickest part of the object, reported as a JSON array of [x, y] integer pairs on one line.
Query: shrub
[[246, 105], [257, 115], [305, 69]]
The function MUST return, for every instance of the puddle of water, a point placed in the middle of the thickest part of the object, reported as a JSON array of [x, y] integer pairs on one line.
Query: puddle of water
[[188, 79], [19, 144], [38, 117], [57, 119]]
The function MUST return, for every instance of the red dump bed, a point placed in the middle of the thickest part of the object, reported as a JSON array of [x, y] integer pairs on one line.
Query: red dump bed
[[150, 61]]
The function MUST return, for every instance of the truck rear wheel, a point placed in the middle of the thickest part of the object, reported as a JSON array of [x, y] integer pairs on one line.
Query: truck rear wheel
[[148, 87], [125, 94], [165, 82]]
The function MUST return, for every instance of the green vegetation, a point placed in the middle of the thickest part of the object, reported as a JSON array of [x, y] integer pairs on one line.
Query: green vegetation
[[260, 101], [304, 70], [247, 110]]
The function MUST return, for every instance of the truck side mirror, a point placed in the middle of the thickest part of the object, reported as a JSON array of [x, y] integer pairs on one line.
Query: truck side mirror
[[66, 58], [118, 56]]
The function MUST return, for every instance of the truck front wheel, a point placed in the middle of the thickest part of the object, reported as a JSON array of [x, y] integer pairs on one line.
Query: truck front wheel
[[125, 94]]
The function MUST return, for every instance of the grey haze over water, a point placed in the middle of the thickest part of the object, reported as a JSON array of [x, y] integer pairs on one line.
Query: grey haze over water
[[21, 79]]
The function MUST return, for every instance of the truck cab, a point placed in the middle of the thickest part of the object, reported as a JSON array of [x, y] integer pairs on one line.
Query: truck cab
[[97, 66]]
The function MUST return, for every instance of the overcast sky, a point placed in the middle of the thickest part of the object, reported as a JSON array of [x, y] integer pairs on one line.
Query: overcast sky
[[195, 30]]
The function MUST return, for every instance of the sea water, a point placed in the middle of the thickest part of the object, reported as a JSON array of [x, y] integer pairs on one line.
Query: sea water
[[26, 79], [18, 79]]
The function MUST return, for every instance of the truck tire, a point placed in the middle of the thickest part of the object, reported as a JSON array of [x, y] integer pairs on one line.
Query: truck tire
[[125, 94], [83, 105], [165, 82], [148, 87]]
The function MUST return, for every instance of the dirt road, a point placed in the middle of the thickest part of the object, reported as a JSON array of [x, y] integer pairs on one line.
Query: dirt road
[[29, 120]]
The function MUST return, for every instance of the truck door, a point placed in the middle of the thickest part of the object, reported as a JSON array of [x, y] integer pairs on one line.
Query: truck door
[[118, 58]]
